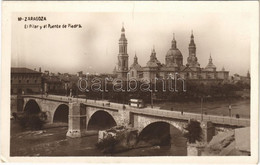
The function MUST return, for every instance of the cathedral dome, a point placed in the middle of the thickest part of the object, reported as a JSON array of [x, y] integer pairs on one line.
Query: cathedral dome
[[136, 66], [174, 53], [210, 65]]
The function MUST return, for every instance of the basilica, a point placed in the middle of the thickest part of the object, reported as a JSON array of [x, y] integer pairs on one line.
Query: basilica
[[173, 65]]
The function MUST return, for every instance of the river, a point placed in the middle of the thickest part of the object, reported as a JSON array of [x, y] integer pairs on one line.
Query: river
[[53, 142]]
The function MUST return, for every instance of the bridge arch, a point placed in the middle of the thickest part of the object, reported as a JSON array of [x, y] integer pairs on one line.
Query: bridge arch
[[142, 121], [159, 131], [61, 114], [32, 107], [164, 133], [101, 119], [161, 125]]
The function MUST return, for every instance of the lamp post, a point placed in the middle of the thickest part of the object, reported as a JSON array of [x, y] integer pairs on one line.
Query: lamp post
[[151, 95], [229, 110], [201, 109], [41, 93], [151, 98]]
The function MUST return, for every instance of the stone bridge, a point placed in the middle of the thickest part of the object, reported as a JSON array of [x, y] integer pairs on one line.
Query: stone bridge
[[140, 121], [79, 112], [45, 105]]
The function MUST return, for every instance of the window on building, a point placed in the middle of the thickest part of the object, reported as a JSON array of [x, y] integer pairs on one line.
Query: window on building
[[27, 81], [35, 81], [20, 81]]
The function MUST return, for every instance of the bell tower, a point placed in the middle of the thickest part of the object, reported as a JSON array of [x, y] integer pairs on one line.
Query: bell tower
[[192, 60], [122, 68], [192, 45]]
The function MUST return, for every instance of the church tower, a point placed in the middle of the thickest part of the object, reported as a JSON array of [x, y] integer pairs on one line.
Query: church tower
[[192, 60], [122, 68], [192, 45]]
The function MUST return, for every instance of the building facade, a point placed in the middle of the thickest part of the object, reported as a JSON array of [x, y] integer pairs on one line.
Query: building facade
[[173, 64], [25, 81]]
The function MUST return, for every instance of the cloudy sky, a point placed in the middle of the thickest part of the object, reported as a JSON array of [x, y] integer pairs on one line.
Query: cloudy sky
[[94, 47]]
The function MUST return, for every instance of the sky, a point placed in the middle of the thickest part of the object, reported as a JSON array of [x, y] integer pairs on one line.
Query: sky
[[94, 47]]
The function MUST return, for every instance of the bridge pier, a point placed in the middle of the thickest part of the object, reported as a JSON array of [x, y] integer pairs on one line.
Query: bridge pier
[[77, 120], [208, 131]]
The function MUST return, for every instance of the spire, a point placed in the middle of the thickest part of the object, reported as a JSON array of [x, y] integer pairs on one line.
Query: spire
[[192, 43], [153, 50], [192, 46], [123, 29], [174, 42], [223, 69], [123, 38], [135, 59], [153, 54], [210, 64], [210, 59]]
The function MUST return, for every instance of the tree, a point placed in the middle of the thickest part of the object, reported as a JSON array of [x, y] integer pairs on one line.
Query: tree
[[194, 131]]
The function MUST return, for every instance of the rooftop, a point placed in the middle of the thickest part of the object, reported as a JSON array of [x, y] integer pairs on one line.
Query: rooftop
[[24, 70]]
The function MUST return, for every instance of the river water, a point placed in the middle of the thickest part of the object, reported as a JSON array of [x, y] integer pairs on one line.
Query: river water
[[53, 142]]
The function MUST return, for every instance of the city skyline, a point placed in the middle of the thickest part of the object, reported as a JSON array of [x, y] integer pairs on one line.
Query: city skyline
[[96, 43]]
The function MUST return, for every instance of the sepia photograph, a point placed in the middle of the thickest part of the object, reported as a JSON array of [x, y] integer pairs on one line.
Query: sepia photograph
[[132, 81]]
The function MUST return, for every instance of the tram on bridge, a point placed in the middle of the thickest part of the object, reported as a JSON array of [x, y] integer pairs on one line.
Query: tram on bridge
[[137, 103]]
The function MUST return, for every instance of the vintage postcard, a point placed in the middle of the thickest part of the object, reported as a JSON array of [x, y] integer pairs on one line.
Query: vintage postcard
[[143, 82]]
